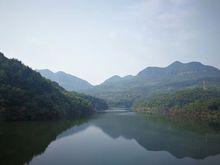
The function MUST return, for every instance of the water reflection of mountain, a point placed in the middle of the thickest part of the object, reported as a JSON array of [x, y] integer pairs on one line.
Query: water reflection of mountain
[[20, 141], [180, 138]]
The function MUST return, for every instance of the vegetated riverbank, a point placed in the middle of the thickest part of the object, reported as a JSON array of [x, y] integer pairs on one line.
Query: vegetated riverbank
[[213, 117], [196, 104]]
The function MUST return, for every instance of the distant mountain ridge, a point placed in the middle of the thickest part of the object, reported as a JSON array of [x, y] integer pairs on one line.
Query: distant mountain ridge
[[177, 68], [124, 90], [195, 69], [67, 81]]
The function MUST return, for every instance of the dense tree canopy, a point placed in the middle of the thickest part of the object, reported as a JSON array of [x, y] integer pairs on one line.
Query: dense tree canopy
[[25, 95], [97, 103], [188, 101]]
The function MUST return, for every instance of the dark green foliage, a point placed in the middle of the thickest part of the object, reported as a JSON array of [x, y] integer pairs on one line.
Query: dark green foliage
[[97, 103], [25, 95], [190, 99]]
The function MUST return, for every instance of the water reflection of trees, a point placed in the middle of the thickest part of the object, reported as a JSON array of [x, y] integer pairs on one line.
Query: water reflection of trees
[[20, 141]]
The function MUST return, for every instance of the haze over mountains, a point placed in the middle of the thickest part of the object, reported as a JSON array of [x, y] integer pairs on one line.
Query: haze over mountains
[[123, 91], [176, 70], [67, 81]]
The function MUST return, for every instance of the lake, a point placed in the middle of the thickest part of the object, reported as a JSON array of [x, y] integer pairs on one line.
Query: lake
[[110, 139]]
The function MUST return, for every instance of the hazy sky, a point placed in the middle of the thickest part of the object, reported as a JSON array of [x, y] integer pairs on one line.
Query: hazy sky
[[95, 39]]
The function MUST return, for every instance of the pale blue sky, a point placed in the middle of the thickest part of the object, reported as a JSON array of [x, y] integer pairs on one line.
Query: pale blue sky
[[95, 39]]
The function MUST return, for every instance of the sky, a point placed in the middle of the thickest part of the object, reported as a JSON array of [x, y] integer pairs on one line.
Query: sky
[[96, 39]]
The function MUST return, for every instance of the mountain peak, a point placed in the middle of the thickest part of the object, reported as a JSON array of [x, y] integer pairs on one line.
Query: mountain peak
[[114, 78], [175, 63], [44, 70], [61, 73], [196, 63]]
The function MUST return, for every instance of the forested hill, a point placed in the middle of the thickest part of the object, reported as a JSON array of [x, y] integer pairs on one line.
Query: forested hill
[[123, 91], [67, 81], [196, 103], [26, 95]]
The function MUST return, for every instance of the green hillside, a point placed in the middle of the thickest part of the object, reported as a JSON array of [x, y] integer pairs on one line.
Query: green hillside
[[97, 103], [25, 95], [197, 103]]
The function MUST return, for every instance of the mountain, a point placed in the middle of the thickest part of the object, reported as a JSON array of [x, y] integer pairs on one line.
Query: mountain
[[116, 79], [178, 69], [74, 85], [123, 91], [174, 72], [158, 133], [113, 79], [67, 81], [26, 95]]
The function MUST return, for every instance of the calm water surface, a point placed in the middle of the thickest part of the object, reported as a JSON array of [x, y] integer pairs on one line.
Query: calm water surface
[[111, 139]]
